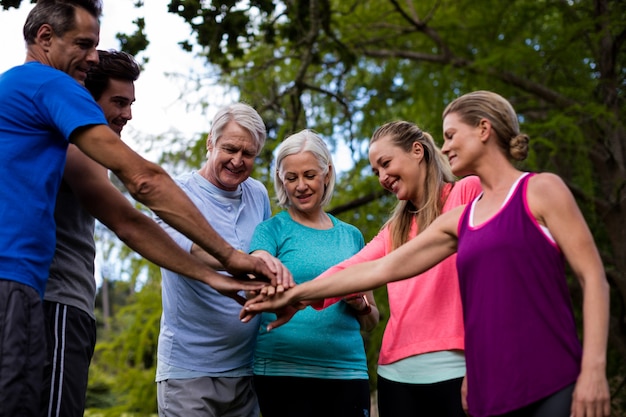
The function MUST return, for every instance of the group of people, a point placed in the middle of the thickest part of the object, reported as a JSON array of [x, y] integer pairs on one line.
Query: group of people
[[56, 142], [521, 349], [480, 316]]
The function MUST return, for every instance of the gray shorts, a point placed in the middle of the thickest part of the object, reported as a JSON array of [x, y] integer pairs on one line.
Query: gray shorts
[[207, 397]]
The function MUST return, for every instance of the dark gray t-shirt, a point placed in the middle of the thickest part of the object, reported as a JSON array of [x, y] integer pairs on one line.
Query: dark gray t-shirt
[[71, 279]]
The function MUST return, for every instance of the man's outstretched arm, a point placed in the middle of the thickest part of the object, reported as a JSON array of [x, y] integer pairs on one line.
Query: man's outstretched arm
[[151, 185]]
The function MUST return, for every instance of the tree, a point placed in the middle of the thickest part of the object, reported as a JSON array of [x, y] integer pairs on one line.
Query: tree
[[345, 67]]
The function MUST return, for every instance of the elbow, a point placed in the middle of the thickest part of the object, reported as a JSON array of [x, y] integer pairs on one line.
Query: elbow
[[146, 187], [128, 233]]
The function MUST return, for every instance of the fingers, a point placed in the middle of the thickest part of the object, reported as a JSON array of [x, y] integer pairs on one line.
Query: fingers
[[244, 266], [264, 271], [252, 286], [591, 396], [245, 316], [284, 279], [270, 291], [257, 299], [280, 320]]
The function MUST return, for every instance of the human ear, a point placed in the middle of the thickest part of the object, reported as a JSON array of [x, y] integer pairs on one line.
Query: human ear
[[417, 150], [209, 143], [44, 35], [484, 127], [327, 178]]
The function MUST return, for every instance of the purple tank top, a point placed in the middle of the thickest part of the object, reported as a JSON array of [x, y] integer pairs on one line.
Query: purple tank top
[[521, 342]]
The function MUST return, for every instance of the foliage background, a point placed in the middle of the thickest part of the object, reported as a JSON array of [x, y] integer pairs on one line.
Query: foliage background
[[342, 68]]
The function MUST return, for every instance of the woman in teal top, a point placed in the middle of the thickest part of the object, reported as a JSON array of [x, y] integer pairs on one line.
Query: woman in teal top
[[315, 365]]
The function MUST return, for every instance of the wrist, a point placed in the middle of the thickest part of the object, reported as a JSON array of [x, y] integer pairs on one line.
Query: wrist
[[366, 309]]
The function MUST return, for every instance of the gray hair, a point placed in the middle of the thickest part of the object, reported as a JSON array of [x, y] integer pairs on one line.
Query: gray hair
[[59, 14], [245, 116], [304, 141]]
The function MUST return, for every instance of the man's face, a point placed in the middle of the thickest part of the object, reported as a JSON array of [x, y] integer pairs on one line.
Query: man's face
[[116, 101], [75, 52], [231, 160]]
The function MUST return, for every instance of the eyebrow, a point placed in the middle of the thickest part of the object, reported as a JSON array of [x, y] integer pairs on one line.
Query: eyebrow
[[380, 158], [123, 98]]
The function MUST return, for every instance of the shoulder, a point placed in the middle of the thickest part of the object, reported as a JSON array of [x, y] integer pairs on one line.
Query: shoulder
[[280, 219], [254, 186], [37, 77], [33, 67], [274, 224], [346, 226], [184, 180], [463, 192], [467, 186], [545, 181], [253, 183], [545, 190], [469, 182], [546, 194], [54, 79]]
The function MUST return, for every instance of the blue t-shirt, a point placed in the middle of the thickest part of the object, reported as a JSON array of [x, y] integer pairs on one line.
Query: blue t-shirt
[[317, 344], [200, 328], [40, 107]]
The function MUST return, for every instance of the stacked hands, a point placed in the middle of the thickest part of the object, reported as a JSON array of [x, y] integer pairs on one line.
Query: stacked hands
[[275, 299], [278, 300], [273, 296], [269, 276]]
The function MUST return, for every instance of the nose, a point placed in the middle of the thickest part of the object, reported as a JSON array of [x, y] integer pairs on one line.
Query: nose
[[382, 177], [237, 159], [301, 184], [92, 57], [445, 148], [127, 113]]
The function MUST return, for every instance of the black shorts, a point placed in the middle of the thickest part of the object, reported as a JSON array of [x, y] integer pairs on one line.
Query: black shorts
[[71, 336], [23, 347]]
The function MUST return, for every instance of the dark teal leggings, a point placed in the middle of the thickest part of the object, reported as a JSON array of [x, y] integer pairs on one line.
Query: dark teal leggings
[[558, 404], [285, 396], [441, 399]]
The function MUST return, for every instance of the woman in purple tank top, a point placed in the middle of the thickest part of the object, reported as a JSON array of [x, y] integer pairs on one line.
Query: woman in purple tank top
[[522, 351]]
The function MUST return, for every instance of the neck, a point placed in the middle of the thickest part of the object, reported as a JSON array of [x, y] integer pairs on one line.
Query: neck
[[315, 220]]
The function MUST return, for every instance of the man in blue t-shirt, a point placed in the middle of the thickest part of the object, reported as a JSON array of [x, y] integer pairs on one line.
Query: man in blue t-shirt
[[42, 110]]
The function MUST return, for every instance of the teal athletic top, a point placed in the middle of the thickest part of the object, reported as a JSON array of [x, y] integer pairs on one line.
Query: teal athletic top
[[316, 344]]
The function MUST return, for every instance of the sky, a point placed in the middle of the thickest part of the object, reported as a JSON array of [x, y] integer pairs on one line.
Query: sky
[[158, 108]]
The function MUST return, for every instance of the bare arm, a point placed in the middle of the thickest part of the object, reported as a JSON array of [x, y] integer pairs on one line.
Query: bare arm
[[284, 279], [90, 182], [554, 206], [151, 185], [206, 257], [430, 247]]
